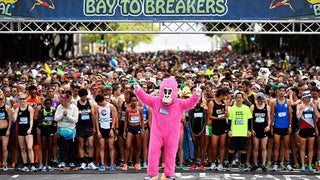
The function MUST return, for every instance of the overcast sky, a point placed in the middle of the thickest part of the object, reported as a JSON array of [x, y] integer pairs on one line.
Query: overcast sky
[[178, 42]]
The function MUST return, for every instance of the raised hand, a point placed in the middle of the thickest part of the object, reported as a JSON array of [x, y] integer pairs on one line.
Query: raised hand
[[136, 86], [198, 90]]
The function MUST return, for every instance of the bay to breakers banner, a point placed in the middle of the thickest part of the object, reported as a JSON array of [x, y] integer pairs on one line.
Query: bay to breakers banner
[[159, 10]]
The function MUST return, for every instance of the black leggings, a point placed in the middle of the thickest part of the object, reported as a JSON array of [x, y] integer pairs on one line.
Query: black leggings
[[63, 149]]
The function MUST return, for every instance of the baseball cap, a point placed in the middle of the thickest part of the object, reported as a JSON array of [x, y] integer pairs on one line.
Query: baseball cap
[[281, 85], [304, 78], [185, 92], [260, 95], [306, 94], [257, 86]]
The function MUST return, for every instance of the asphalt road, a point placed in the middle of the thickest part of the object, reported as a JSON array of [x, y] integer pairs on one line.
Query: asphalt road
[[131, 174]]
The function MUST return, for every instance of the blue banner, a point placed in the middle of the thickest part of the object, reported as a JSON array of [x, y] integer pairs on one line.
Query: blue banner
[[159, 10]]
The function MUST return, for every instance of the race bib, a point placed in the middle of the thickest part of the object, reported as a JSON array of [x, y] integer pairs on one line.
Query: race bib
[[105, 123], [134, 119], [198, 115], [239, 122], [163, 111], [307, 116], [123, 116], [259, 120], [282, 114], [23, 120], [2, 115], [85, 116], [220, 115]]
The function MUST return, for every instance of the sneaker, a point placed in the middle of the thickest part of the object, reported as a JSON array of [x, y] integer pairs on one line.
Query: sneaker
[[288, 167], [5, 168], [269, 164], [151, 178], [44, 169], [145, 166], [303, 169], [83, 166], [33, 169], [41, 166], [254, 168], [234, 164], [243, 168], [181, 167], [170, 178], [275, 167], [102, 168], [112, 168], [201, 167], [49, 168], [318, 169], [228, 167], [310, 169], [62, 164], [125, 167], [72, 165], [296, 166], [137, 167], [193, 166], [264, 169], [25, 169], [220, 167], [281, 166], [92, 166], [213, 166]]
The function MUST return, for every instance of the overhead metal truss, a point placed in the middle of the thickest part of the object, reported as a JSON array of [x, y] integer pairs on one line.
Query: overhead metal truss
[[174, 27]]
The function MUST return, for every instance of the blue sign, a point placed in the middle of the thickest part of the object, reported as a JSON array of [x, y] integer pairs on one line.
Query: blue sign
[[159, 10]]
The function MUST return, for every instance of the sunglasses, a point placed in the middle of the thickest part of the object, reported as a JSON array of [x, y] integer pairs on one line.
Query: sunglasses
[[22, 99], [1, 99]]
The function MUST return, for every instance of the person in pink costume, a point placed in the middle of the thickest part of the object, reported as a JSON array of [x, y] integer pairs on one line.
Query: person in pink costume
[[167, 111]]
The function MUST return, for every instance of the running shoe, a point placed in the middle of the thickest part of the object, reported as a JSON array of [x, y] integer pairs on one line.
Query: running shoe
[[92, 166], [49, 168], [296, 166], [25, 169], [125, 167], [83, 166], [254, 168], [44, 169], [201, 167], [220, 167], [288, 167], [102, 168], [151, 178], [275, 167], [303, 169], [213, 166], [5, 168], [145, 166], [310, 169], [33, 169], [112, 167], [264, 168], [243, 168], [193, 166], [170, 178], [137, 167], [62, 164]]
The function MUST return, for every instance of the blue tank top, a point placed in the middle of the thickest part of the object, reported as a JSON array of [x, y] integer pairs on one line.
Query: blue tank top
[[145, 113], [281, 116]]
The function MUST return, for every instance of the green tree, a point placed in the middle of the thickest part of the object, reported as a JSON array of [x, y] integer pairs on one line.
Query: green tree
[[125, 42]]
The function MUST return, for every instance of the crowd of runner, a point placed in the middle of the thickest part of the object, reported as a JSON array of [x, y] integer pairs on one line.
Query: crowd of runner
[[82, 113]]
